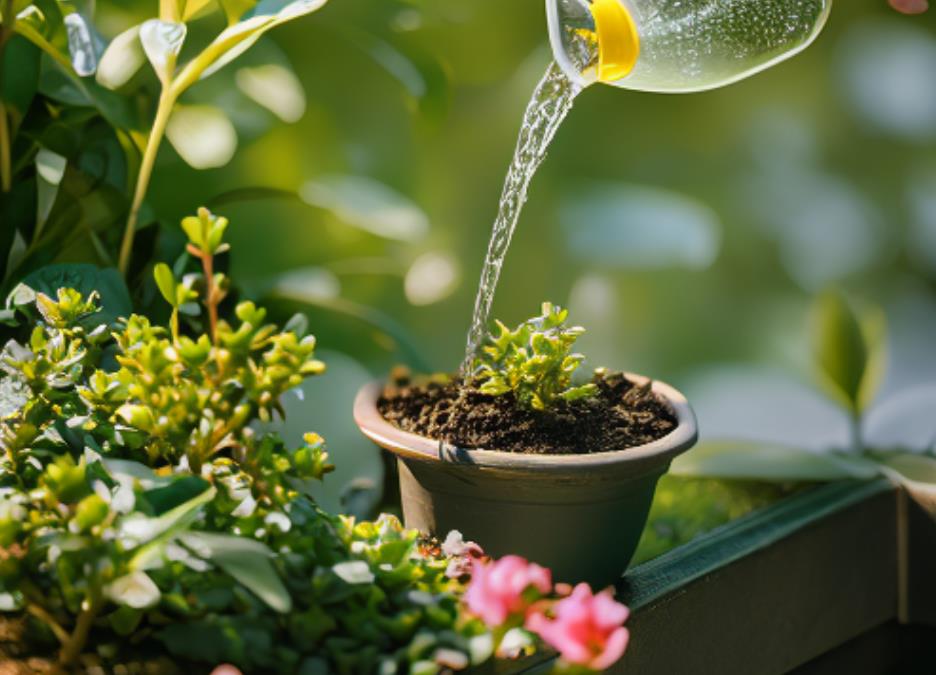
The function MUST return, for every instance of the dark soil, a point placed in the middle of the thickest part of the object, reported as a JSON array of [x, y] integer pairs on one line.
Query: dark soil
[[622, 415]]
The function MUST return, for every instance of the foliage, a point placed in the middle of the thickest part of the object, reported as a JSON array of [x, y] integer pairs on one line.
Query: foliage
[[160, 40], [848, 350], [136, 498], [534, 361], [78, 127]]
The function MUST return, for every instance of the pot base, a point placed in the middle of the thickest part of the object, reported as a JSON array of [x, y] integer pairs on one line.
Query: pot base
[[562, 527]]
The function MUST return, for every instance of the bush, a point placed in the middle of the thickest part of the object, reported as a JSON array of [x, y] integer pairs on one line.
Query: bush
[[136, 499]]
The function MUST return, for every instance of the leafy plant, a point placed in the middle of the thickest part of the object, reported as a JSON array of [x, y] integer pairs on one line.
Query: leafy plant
[[64, 98], [534, 361], [848, 353], [160, 41], [126, 433], [137, 501], [848, 350]]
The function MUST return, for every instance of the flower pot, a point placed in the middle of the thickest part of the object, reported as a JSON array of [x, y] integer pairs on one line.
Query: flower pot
[[580, 515]]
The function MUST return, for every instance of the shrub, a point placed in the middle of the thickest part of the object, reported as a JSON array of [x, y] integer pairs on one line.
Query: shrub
[[136, 499]]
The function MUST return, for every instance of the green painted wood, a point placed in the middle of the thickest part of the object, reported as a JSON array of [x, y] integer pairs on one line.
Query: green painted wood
[[770, 591]]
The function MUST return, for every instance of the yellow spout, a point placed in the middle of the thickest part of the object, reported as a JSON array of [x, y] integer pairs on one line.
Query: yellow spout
[[618, 41]]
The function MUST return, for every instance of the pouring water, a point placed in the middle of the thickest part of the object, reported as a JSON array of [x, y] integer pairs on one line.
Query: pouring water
[[645, 45]]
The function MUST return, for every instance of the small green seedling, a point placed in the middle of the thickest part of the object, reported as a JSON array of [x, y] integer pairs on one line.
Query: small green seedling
[[534, 361]]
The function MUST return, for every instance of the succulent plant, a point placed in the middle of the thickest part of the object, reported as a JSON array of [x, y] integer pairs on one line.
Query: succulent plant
[[533, 361]]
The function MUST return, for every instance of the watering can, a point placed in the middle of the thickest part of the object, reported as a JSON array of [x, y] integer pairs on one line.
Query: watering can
[[678, 46]]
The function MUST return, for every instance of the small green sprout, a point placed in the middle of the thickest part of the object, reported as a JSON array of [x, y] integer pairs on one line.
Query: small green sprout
[[534, 361]]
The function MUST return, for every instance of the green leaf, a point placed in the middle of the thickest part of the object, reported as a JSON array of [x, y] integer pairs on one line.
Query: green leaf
[[81, 44], [217, 639], [162, 42], [354, 572], [14, 394], [125, 469], [91, 511], [202, 135], [124, 620], [246, 560], [742, 460], [115, 298], [135, 590], [50, 168], [43, 24], [219, 226], [140, 529], [166, 283], [20, 77], [276, 88], [121, 60], [164, 499], [239, 37], [847, 353], [367, 204]]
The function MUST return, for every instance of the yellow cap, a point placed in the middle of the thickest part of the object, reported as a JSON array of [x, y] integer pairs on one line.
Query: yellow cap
[[618, 41]]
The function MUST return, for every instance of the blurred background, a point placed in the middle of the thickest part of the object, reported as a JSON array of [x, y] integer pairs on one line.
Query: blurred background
[[687, 233]]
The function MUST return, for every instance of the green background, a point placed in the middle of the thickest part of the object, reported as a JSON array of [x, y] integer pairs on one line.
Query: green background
[[687, 233]]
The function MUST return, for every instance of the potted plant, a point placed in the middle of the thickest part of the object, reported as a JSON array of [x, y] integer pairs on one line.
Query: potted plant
[[522, 460]]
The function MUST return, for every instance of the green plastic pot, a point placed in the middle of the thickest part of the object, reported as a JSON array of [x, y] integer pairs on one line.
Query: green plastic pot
[[579, 515]]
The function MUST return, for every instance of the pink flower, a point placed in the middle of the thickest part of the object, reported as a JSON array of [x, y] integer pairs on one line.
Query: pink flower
[[586, 629], [456, 546], [460, 554], [226, 669], [499, 590]]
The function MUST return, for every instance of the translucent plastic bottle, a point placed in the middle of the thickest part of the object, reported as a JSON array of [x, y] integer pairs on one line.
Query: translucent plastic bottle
[[678, 45]]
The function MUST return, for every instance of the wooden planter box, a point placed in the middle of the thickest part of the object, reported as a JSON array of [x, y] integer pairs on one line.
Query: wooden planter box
[[840, 578]]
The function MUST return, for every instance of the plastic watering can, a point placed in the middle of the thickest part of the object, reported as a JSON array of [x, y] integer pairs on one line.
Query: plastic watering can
[[678, 45]]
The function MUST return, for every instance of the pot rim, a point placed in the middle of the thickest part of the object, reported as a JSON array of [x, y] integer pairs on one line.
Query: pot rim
[[410, 446]]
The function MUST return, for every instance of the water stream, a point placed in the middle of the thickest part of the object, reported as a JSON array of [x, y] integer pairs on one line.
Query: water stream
[[548, 107]]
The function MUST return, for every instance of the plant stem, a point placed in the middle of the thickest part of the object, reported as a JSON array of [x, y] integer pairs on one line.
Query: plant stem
[[857, 442], [174, 325], [6, 30], [72, 649], [211, 300], [60, 633], [164, 110], [6, 173]]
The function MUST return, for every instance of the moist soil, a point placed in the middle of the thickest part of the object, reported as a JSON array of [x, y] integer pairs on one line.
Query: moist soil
[[623, 414]]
